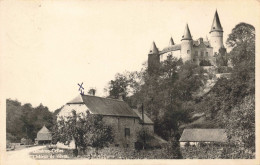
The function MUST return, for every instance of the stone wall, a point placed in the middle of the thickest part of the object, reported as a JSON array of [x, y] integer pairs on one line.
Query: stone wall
[[119, 124]]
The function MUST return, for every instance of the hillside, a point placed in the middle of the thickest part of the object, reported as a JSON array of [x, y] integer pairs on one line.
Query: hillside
[[24, 121]]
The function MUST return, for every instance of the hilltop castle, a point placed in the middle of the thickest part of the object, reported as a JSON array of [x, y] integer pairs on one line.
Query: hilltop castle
[[199, 51]]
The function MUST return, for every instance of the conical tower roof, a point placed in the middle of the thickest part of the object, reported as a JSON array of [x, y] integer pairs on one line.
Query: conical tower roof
[[171, 43], [154, 49], [186, 34], [216, 25]]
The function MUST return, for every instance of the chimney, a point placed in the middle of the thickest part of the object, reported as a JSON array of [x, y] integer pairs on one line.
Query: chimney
[[92, 92]]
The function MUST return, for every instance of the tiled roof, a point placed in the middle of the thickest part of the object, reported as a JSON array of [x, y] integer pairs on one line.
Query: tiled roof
[[197, 43], [203, 135], [102, 106], [147, 120]]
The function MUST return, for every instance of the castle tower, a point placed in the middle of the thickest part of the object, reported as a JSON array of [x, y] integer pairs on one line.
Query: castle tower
[[216, 34], [186, 44], [171, 43], [153, 59]]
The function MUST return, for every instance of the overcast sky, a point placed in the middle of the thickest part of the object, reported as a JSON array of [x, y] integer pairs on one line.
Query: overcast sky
[[47, 48]]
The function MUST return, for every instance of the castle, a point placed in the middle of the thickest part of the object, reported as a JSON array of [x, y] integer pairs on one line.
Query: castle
[[199, 51]]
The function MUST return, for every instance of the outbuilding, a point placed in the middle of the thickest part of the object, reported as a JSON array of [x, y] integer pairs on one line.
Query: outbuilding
[[197, 136], [43, 136]]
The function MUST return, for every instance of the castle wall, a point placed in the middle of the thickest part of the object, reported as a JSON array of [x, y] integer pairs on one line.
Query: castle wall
[[153, 62], [186, 49], [216, 40], [203, 53]]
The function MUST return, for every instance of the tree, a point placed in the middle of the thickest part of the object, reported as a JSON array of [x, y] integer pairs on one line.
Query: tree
[[85, 129], [241, 129], [24, 121], [144, 137]]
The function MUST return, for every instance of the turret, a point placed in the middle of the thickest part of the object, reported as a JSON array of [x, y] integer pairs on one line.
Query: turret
[[186, 44], [216, 34], [153, 59], [171, 43]]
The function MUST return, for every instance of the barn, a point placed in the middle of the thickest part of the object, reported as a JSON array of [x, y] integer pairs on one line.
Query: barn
[[197, 136]]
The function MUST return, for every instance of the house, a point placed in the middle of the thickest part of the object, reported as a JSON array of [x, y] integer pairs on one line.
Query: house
[[196, 136], [43, 136], [125, 122]]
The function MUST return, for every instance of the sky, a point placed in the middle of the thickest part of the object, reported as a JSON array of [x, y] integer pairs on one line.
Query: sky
[[48, 47]]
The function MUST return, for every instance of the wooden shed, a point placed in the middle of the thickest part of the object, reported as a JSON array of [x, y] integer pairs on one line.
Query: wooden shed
[[43, 136]]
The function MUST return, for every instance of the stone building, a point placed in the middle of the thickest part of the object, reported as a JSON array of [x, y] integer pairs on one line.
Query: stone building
[[125, 122], [199, 51]]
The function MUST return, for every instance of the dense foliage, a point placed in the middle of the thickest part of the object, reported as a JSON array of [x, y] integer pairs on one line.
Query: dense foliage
[[84, 129], [24, 121], [162, 93]]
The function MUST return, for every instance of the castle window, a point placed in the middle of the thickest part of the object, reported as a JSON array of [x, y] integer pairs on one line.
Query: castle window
[[127, 132], [188, 51], [207, 54], [202, 53], [196, 53], [194, 60]]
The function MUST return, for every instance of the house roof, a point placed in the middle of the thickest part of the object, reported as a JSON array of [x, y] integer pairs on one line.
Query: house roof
[[104, 106], [147, 120], [197, 43], [203, 135], [44, 134]]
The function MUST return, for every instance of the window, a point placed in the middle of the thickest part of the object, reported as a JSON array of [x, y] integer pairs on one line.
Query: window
[[188, 51], [127, 132], [207, 54], [202, 53], [196, 53]]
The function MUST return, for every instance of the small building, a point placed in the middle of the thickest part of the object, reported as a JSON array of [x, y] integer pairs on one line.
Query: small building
[[43, 136], [197, 136], [125, 122]]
